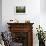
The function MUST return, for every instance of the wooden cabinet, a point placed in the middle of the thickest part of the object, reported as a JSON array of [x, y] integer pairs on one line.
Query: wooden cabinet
[[22, 33]]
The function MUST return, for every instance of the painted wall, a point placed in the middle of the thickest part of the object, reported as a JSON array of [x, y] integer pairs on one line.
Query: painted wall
[[33, 13], [0, 15], [43, 6], [43, 14]]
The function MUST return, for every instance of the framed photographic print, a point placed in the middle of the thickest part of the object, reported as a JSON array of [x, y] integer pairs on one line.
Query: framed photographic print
[[20, 9]]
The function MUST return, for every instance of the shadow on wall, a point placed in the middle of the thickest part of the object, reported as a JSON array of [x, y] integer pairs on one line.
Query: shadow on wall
[[0, 15]]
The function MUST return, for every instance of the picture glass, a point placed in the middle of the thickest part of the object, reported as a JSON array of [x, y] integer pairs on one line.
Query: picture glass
[[20, 9]]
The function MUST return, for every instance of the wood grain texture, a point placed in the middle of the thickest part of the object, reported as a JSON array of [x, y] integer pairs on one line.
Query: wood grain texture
[[23, 27]]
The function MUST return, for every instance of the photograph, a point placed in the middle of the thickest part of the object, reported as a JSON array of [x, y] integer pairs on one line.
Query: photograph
[[20, 9]]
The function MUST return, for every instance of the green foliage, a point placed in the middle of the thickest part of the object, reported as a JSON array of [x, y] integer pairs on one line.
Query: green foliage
[[40, 33]]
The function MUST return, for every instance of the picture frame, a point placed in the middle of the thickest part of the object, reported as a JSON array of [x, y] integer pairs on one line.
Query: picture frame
[[20, 9]]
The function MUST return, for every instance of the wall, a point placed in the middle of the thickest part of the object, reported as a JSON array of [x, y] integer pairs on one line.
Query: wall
[[43, 6], [32, 10], [33, 13], [0, 15], [43, 14]]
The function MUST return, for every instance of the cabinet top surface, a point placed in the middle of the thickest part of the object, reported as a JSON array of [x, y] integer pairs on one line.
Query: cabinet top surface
[[19, 23]]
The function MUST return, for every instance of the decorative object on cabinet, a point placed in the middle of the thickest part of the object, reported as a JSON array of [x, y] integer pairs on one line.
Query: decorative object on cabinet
[[22, 33], [27, 21], [13, 21]]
